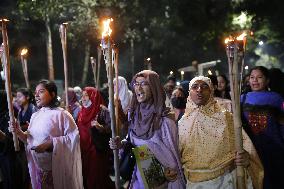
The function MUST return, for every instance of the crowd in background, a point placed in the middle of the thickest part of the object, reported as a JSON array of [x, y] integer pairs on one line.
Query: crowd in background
[[188, 127]]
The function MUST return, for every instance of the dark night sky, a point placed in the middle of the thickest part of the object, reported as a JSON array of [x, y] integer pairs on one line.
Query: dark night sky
[[181, 42]]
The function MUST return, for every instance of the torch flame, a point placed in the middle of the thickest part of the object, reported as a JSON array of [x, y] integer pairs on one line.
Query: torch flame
[[4, 20], [24, 51], [228, 39], [241, 37], [107, 30]]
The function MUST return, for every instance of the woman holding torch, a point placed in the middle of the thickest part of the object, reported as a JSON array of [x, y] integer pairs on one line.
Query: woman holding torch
[[207, 145], [151, 124], [52, 143]]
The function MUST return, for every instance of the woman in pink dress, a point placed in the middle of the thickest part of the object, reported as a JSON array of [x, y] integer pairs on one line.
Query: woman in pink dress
[[52, 143]]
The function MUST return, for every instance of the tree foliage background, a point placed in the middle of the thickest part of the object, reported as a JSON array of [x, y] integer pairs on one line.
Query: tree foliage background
[[172, 32]]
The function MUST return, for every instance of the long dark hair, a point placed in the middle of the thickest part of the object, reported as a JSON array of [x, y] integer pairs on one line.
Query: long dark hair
[[214, 81], [181, 90], [28, 94], [50, 86], [227, 86], [264, 71]]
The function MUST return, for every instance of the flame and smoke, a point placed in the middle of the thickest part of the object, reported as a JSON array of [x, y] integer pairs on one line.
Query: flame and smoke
[[106, 27]]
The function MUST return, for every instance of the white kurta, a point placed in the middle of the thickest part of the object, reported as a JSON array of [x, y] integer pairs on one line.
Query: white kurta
[[65, 160], [226, 181]]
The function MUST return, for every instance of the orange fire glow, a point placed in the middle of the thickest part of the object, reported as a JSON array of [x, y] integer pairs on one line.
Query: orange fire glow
[[107, 30], [4, 20], [238, 38], [228, 39]]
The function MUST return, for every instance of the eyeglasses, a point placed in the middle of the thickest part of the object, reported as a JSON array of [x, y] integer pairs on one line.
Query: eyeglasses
[[141, 84], [196, 86]]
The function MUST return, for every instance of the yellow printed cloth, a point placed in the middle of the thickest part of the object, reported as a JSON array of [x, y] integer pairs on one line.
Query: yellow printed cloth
[[207, 143]]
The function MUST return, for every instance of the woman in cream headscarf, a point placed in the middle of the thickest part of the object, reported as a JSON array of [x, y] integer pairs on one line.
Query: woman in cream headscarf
[[207, 145]]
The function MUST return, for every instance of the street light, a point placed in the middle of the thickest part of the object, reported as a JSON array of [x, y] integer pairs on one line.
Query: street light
[[149, 63], [260, 43], [171, 72], [209, 72], [246, 69], [24, 53], [182, 75]]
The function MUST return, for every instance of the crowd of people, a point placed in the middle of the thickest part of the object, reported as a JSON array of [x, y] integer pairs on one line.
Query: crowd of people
[[188, 128]]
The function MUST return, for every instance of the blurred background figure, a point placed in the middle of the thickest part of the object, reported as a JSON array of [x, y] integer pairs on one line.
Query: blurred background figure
[[214, 82], [170, 85], [25, 99], [78, 92], [223, 87], [11, 176], [222, 102], [276, 83], [169, 88], [16, 106], [125, 96], [74, 105], [104, 92], [185, 86], [178, 101], [245, 84]]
